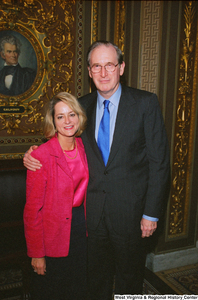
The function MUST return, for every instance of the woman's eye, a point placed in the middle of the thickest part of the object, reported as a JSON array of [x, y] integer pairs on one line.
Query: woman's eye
[[59, 117], [72, 115]]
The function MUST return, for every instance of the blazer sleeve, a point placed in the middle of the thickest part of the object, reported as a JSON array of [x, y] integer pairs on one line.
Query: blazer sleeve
[[157, 150], [35, 194]]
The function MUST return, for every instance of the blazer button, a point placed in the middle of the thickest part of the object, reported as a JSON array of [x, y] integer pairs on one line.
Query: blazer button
[[104, 192], [105, 173]]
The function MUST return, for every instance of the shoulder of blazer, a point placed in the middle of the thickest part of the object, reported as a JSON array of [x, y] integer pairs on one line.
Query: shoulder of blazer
[[136, 93], [51, 147], [143, 99], [88, 100]]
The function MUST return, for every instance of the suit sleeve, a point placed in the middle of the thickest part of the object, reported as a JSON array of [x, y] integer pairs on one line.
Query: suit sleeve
[[157, 150], [33, 222]]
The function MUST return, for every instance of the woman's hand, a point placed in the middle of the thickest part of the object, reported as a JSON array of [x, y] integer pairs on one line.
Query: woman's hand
[[39, 265]]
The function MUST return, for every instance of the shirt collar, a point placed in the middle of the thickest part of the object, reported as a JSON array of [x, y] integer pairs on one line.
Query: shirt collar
[[114, 99], [14, 65]]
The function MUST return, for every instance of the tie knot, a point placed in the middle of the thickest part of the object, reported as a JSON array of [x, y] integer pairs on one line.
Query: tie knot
[[106, 103]]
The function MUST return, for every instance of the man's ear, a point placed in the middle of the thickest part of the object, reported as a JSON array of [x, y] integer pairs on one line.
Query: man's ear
[[122, 66], [2, 55], [90, 75]]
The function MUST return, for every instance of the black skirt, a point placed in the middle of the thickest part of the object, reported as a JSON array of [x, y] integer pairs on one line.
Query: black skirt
[[65, 277]]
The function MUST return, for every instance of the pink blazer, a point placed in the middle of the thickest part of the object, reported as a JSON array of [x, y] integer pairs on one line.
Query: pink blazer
[[49, 198]]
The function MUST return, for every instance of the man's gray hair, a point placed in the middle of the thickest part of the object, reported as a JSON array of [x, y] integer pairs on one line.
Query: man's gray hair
[[10, 39], [107, 44]]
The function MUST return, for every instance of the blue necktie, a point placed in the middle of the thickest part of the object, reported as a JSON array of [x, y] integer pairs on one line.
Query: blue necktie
[[104, 133]]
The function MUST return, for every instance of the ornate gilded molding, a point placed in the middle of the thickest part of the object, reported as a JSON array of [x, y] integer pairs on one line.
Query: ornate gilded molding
[[94, 21], [184, 127], [8, 156], [120, 16], [47, 27], [19, 142], [150, 45], [79, 48]]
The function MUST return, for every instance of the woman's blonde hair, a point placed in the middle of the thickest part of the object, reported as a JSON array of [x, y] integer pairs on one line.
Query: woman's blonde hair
[[49, 125]]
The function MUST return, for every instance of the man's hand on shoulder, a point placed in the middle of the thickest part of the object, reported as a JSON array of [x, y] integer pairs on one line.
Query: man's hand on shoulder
[[30, 162]]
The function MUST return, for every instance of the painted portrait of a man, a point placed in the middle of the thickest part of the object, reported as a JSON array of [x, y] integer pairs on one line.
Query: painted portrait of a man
[[14, 79]]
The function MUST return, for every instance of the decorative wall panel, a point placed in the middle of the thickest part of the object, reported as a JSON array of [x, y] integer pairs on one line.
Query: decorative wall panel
[[120, 18], [46, 28], [150, 45], [79, 45], [184, 127], [94, 21]]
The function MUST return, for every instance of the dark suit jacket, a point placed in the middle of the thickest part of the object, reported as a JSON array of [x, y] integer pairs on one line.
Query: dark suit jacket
[[136, 178], [23, 78]]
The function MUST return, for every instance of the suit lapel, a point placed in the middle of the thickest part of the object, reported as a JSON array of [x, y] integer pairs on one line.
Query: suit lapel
[[123, 120], [91, 116]]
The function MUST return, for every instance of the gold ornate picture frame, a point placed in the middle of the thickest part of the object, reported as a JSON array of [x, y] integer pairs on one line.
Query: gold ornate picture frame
[[44, 29]]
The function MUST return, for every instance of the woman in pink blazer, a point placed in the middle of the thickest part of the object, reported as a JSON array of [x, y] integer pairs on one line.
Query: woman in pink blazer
[[54, 214]]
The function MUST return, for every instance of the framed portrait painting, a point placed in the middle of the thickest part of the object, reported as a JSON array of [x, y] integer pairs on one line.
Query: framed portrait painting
[[18, 63]]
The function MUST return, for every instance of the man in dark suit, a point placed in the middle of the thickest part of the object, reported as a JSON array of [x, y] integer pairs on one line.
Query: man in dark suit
[[126, 194], [14, 80]]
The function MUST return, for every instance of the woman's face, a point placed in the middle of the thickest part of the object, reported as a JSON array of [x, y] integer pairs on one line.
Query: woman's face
[[66, 120]]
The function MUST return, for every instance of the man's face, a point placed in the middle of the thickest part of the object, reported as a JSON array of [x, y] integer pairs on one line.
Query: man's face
[[10, 54], [106, 82]]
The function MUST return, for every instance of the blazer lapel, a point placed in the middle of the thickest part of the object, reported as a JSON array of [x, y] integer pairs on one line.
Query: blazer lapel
[[82, 153], [57, 151]]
